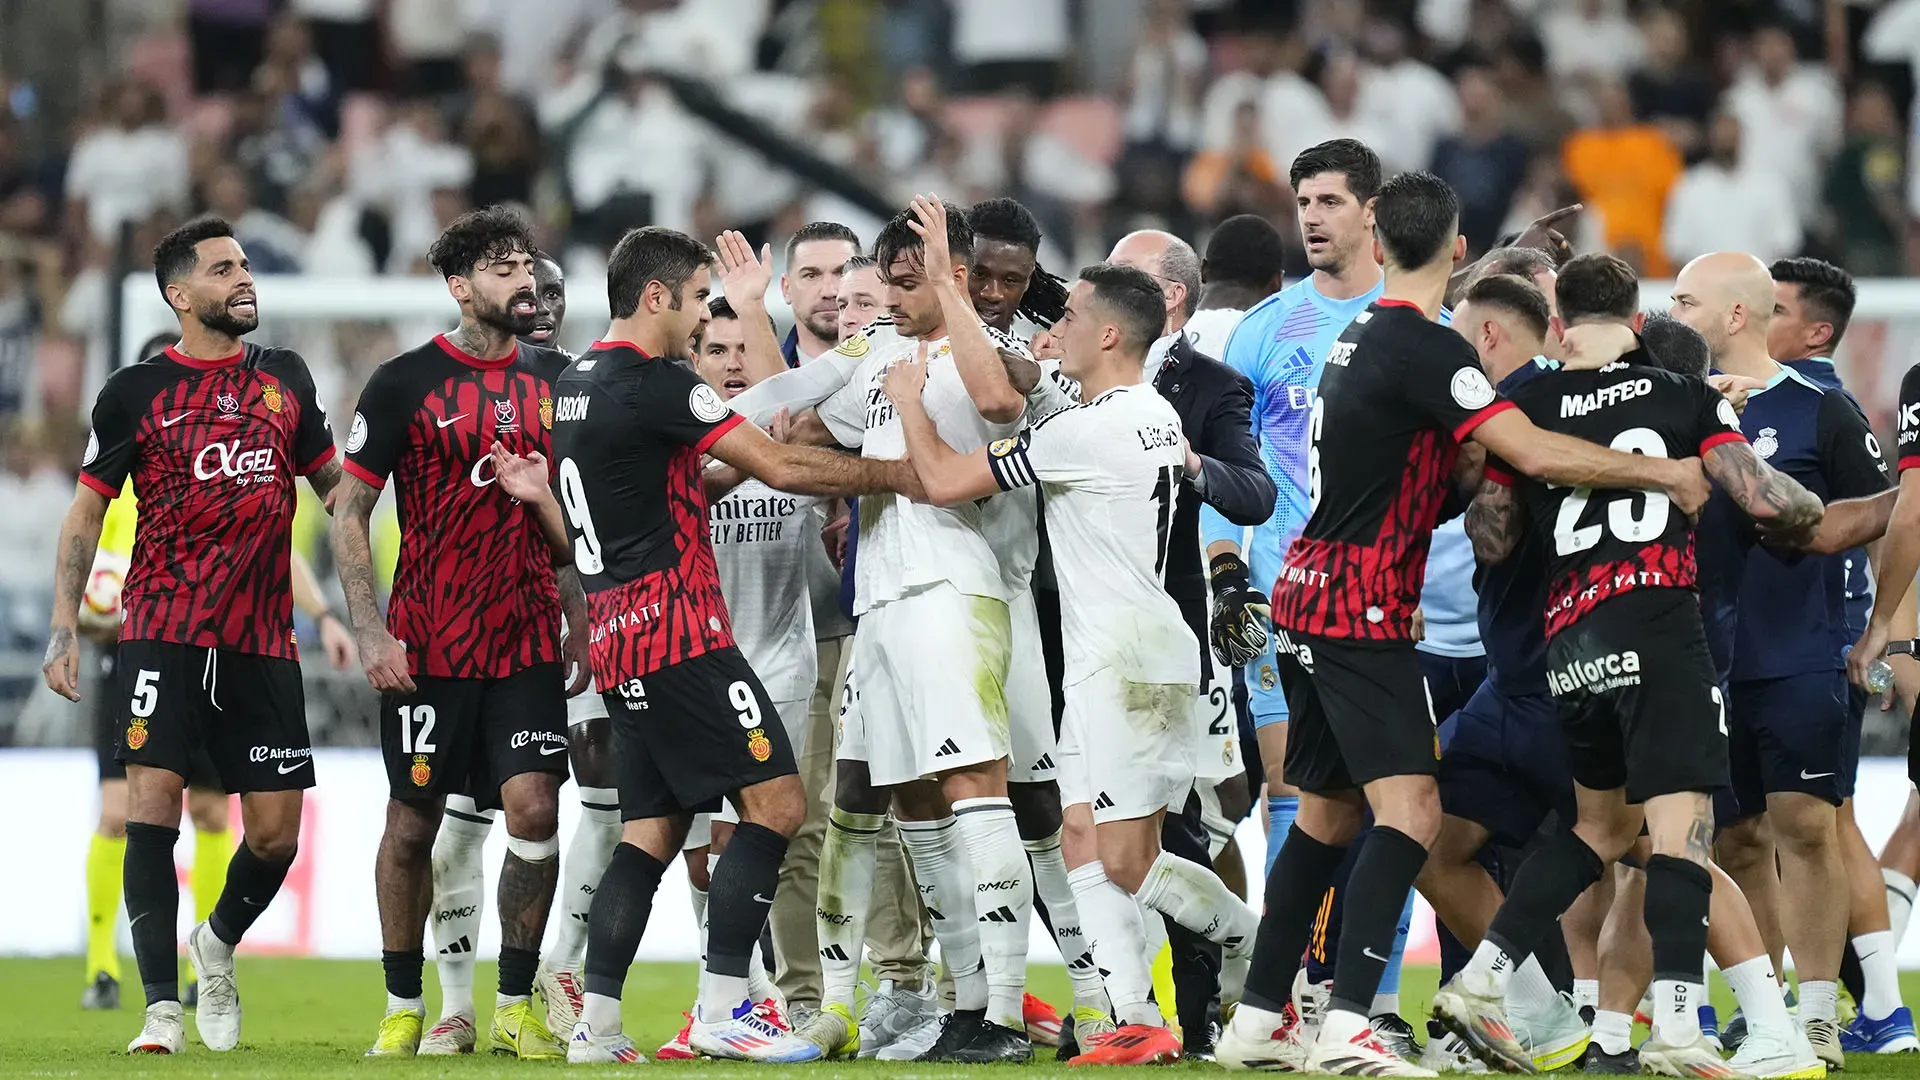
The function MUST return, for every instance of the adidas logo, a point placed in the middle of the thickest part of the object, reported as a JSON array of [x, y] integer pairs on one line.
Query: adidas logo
[[999, 915], [1103, 802], [834, 952], [464, 945], [934, 914], [1232, 942], [947, 749], [1083, 964], [1045, 762]]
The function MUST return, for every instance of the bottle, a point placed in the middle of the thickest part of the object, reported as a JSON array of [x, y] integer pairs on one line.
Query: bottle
[[1879, 673]]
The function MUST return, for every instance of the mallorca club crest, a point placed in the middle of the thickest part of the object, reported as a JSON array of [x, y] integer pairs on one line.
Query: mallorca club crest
[[137, 734], [229, 406], [270, 394], [505, 416], [546, 413], [1767, 443], [758, 746], [422, 773]]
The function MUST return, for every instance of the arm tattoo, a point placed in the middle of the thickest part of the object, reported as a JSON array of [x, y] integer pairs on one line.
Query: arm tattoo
[[323, 479], [353, 554], [573, 598], [79, 539], [1769, 496], [1493, 522]]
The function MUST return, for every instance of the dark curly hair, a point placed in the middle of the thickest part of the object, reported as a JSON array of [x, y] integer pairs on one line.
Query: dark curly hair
[[898, 237], [478, 236], [1007, 220], [177, 253]]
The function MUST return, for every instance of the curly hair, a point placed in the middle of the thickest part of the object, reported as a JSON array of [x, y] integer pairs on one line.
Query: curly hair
[[481, 236], [1007, 220]]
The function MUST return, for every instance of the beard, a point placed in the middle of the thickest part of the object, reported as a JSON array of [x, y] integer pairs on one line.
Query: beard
[[221, 319], [825, 325], [502, 317]]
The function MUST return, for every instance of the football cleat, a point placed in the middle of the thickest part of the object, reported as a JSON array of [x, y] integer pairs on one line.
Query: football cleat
[[1083, 1028], [677, 1048], [165, 1030], [451, 1035], [1481, 1019], [519, 1031], [1783, 1055], [218, 1015], [956, 1030], [1601, 1063], [892, 1012], [1554, 1036], [834, 1031], [1042, 1021], [914, 1044], [992, 1044], [1892, 1035], [1362, 1055], [1397, 1035], [1695, 1059], [751, 1033], [102, 993], [1447, 1052], [563, 992], [1133, 1044], [399, 1034], [1825, 1037], [586, 1048], [1258, 1039]]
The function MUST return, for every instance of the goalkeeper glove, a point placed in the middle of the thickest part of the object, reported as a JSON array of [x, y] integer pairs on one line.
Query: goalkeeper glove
[[1238, 629]]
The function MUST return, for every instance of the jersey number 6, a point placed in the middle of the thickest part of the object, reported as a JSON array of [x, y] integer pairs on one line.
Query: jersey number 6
[[1570, 537]]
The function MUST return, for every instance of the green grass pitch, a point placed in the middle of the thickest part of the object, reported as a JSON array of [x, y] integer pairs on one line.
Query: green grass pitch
[[314, 1018]]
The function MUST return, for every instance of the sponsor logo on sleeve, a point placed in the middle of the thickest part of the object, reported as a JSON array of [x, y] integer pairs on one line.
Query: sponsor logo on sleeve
[[1470, 389]]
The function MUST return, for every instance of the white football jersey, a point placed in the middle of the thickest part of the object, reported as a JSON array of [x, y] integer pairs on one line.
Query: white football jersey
[[1109, 470], [760, 541]]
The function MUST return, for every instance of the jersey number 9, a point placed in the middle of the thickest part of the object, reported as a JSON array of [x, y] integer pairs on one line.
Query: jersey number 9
[[573, 496]]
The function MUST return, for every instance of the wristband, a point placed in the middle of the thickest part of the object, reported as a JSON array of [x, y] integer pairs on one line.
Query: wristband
[[1227, 571]]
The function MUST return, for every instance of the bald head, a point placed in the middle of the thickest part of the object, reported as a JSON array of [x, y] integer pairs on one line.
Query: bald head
[[1172, 261], [1728, 297]]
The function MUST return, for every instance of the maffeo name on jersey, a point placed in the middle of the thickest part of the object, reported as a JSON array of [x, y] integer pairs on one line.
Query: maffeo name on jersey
[[1582, 404], [1609, 672], [744, 520]]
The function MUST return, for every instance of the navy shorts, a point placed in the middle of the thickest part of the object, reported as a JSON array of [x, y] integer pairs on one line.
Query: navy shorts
[[1503, 764], [1794, 733], [1451, 680]]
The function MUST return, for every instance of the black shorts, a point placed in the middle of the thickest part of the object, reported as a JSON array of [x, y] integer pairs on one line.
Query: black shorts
[[694, 732], [468, 736], [1794, 733], [1638, 700], [237, 719], [1357, 711], [1503, 764]]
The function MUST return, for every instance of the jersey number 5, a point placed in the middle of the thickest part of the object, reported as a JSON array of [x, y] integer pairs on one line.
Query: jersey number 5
[[573, 496], [1570, 537]]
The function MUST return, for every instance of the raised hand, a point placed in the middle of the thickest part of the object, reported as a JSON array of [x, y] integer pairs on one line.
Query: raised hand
[[931, 228], [744, 277], [524, 478], [1541, 235]]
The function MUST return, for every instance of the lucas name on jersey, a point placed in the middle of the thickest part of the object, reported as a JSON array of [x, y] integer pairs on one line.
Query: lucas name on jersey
[[748, 520]]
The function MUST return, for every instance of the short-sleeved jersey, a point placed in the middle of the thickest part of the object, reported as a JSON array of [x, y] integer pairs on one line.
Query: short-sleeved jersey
[[1109, 470], [763, 542], [1398, 394], [629, 430], [473, 592], [905, 545], [1603, 543], [1513, 592], [1793, 608], [212, 447], [1907, 453], [1820, 371], [117, 529], [1281, 346]]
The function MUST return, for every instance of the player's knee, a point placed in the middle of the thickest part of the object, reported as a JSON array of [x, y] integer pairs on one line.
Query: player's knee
[[696, 860], [590, 754], [209, 810], [779, 805], [1036, 809], [534, 823], [277, 846], [1127, 868], [114, 826], [853, 789], [1742, 844], [1803, 825]]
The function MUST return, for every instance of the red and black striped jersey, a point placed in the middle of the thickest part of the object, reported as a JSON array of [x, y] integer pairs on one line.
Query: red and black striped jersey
[[474, 593], [1601, 543], [213, 447], [631, 429], [1907, 422], [1397, 395]]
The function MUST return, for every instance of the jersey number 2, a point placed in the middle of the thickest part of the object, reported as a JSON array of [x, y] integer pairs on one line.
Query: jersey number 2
[[573, 496], [1570, 537]]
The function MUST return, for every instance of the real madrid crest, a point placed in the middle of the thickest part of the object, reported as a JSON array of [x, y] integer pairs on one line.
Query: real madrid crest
[[1766, 444]]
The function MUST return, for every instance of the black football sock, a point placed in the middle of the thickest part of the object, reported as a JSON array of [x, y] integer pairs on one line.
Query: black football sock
[[517, 967], [402, 968], [1376, 894], [1851, 975], [740, 896], [1323, 944], [622, 904], [252, 883], [1545, 886], [153, 908], [1679, 894], [1295, 887]]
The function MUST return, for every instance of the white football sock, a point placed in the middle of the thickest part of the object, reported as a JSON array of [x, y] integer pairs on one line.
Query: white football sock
[[1758, 993], [1385, 1004], [1051, 883], [601, 1013], [1117, 936], [1676, 1011], [1613, 1031], [459, 900], [1899, 901], [1819, 1000], [594, 839], [1195, 897], [1530, 992], [1005, 902], [1490, 972], [1586, 993], [400, 1004], [1880, 968], [848, 854], [946, 876]]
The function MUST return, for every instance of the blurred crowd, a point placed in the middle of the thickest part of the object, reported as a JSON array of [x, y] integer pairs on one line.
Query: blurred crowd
[[341, 135]]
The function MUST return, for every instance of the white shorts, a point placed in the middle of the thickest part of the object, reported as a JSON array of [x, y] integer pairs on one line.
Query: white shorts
[[1216, 731], [1219, 830], [700, 833], [1124, 746], [933, 673], [1029, 699], [586, 705], [849, 729]]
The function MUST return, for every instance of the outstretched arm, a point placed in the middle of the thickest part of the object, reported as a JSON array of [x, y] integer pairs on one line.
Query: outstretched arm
[[1852, 523], [804, 470], [948, 477], [1562, 459], [744, 281], [1775, 501], [79, 538]]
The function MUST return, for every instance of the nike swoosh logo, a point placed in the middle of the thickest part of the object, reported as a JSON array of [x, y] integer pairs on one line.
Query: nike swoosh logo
[[758, 899], [251, 901], [547, 750], [288, 766], [1805, 775], [135, 919], [1373, 955], [176, 419], [450, 420]]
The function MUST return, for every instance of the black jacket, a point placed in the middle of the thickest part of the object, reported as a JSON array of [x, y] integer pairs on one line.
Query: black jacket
[[1215, 404]]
